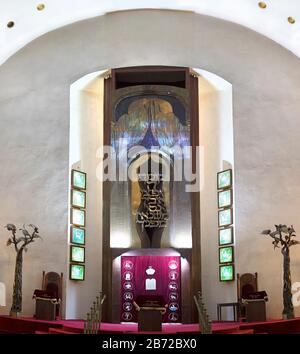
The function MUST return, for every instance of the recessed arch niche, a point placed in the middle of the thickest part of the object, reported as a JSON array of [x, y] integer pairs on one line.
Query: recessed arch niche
[[215, 134]]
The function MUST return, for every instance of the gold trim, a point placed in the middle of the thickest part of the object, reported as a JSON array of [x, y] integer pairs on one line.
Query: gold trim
[[107, 74], [193, 73]]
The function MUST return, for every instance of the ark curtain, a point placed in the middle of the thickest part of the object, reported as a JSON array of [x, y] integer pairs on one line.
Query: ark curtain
[[161, 272]]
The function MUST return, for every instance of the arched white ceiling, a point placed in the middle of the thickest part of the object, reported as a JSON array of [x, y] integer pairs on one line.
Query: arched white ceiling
[[30, 23]]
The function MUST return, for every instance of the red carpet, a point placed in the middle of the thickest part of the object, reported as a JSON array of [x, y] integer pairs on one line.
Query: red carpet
[[31, 325], [274, 326]]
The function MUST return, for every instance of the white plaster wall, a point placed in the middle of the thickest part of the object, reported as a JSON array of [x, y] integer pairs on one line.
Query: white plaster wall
[[216, 140], [34, 130], [86, 137], [34, 186]]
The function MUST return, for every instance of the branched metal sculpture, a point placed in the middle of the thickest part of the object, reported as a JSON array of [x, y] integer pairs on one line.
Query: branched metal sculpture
[[20, 244], [284, 236]]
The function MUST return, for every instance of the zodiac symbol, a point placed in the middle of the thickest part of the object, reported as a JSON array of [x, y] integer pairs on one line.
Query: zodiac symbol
[[128, 296], [127, 316]]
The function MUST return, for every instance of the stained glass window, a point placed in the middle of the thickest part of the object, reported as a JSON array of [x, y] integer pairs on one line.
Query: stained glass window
[[226, 254], [227, 272], [78, 198], [224, 179], [77, 254], [78, 179], [78, 217], [77, 272], [225, 236], [225, 198], [225, 217], [77, 235]]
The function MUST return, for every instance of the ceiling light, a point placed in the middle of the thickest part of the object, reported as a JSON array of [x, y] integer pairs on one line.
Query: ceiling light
[[40, 7], [10, 24], [291, 20], [262, 5]]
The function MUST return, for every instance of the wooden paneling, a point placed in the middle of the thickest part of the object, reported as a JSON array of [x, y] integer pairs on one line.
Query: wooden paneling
[[195, 196], [191, 84], [106, 250]]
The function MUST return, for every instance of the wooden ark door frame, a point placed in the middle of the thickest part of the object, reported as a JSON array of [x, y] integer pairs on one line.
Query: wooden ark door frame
[[195, 196], [191, 84]]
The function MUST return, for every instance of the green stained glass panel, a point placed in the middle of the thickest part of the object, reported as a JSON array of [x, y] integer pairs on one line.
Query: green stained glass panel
[[227, 273], [225, 199], [78, 235], [77, 254], [78, 198], [226, 236], [77, 272], [78, 217], [78, 179], [224, 179], [226, 254], [225, 217]]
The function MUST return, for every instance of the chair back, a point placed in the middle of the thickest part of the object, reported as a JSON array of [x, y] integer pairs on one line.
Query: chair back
[[246, 284], [53, 284]]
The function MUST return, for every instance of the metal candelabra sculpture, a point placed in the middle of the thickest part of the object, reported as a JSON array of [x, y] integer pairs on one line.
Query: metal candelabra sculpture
[[204, 321], [20, 245], [152, 215], [284, 236], [94, 317]]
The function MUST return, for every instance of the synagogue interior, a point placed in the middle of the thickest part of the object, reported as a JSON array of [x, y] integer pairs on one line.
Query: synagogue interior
[[150, 167]]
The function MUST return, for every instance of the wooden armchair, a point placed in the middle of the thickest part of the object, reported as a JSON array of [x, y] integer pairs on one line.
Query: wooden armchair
[[246, 284], [251, 301], [53, 282], [49, 297]]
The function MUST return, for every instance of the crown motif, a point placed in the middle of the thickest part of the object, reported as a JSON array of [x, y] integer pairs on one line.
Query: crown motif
[[150, 270]]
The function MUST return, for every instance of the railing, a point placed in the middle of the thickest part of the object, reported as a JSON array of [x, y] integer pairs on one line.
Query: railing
[[204, 321], [94, 317]]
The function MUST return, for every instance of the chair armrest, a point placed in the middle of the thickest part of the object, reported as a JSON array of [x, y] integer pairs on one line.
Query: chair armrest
[[136, 306]]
